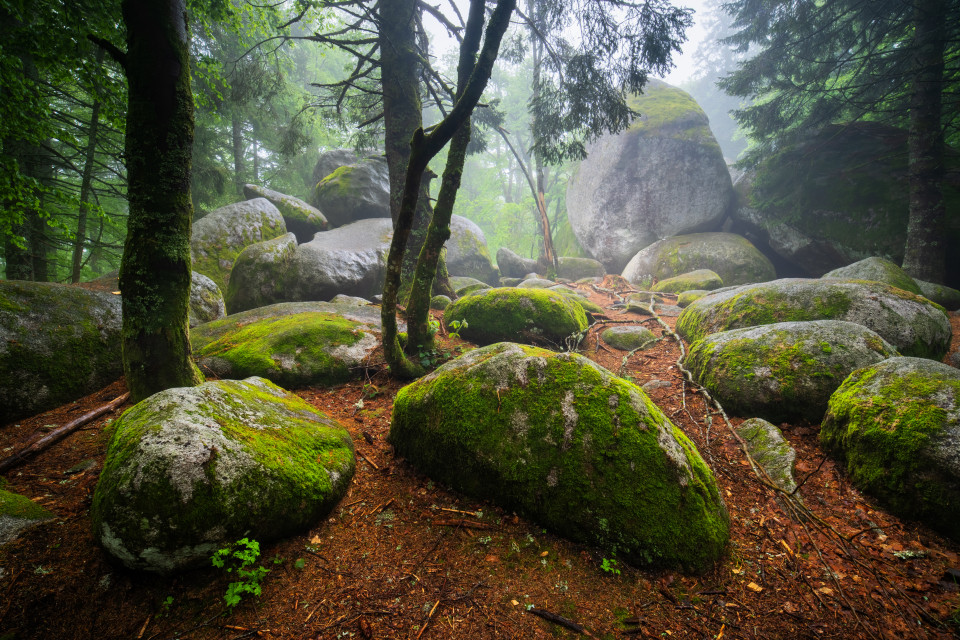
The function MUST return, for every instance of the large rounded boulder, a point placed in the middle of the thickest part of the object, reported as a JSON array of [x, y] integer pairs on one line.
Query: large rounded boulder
[[191, 470], [57, 343], [354, 192], [786, 371], [260, 273], [912, 324], [568, 444], [535, 316], [467, 252], [220, 236], [730, 256], [302, 219], [512, 265], [663, 176], [206, 300], [877, 270], [292, 350], [895, 428]]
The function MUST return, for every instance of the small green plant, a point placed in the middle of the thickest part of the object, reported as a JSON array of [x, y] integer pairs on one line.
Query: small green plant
[[434, 326], [609, 565], [239, 558], [456, 326]]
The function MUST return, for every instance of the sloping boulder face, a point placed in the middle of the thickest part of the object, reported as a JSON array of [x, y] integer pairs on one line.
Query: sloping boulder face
[[351, 260], [573, 268], [895, 427], [191, 470], [769, 448], [837, 196], [912, 324], [354, 192], [220, 236], [944, 296], [292, 350], [730, 256], [206, 300], [18, 513], [627, 338], [513, 265], [260, 274], [467, 252], [663, 176], [785, 371], [878, 270], [535, 316], [330, 161], [568, 444], [57, 343], [701, 279], [302, 219]]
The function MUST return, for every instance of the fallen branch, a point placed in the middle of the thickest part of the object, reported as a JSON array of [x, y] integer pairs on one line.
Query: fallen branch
[[560, 620], [58, 434], [460, 522]]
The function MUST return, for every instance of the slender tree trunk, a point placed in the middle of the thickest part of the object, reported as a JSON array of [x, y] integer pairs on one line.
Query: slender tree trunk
[[87, 180], [256, 162], [155, 269], [925, 251], [548, 257], [238, 164]]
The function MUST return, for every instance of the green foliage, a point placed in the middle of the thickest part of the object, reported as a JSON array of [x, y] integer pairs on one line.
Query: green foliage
[[239, 558], [456, 326], [609, 565]]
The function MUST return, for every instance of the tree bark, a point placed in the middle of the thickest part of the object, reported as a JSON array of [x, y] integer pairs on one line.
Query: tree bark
[[238, 165], [925, 251], [155, 268]]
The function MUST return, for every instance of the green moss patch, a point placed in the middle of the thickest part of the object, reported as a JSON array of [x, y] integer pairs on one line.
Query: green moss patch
[[879, 270], [565, 442], [699, 280]]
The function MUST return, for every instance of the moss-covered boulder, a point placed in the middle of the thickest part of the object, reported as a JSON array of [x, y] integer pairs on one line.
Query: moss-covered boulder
[[536, 283], [770, 450], [945, 296], [292, 350], [18, 513], [628, 338], [535, 316], [911, 323], [467, 252], [354, 192], [879, 270], [260, 274], [784, 371], [575, 268], [730, 256], [699, 280], [895, 428], [686, 298], [206, 300], [513, 265], [57, 343], [302, 219], [463, 285], [329, 161], [220, 236], [191, 470], [663, 176], [440, 302], [559, 439]]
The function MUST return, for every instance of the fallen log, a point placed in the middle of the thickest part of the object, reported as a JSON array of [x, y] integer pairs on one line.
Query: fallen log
[[58, 434]]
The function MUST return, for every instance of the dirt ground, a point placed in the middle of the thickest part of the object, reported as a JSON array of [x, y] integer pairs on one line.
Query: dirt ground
[[402, 557]]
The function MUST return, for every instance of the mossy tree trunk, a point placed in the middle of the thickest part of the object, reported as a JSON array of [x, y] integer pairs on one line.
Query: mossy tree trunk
[[925, 251], [155, 269], [422, 149]]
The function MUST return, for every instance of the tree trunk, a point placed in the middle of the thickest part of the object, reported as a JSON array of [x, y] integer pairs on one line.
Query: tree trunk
[[238, 165], [87, 180], [155, 268], [925, 251]]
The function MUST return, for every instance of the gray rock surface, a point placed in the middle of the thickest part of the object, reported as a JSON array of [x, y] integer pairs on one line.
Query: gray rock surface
[[354, 192], [895, 428], [260, 274], [573, 268], [57, 343], [628, 338], [770, 449], [911, 323], [191, 470], [220, 236], [878, 270], [206, 300], [945, 296], [330, 161], [302, 219], [18, 513], [663, 176], [730, 256], [536, 283], [699, 280], [512, 265], [467, 252]]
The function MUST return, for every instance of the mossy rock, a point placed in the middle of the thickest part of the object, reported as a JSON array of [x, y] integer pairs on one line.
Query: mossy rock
[[895, 428], [513, 265], [576, 268], [537, 283], [943, 295], [784, 371], [206, 300], [536, 316], [911, 323], [771, 451], [699, 280], [686, 298], [440, 302], [296, 350], [467, 253], [563, 441], [627, 338], [354, 192], [18, 513], [57, 343], [730, 256], [220, 236], [260, 273], [302, 219], [191, 470], [565, 242], [877, 269]]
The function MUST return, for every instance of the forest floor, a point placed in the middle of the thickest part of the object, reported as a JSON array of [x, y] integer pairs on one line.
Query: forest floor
[[402, 557]]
